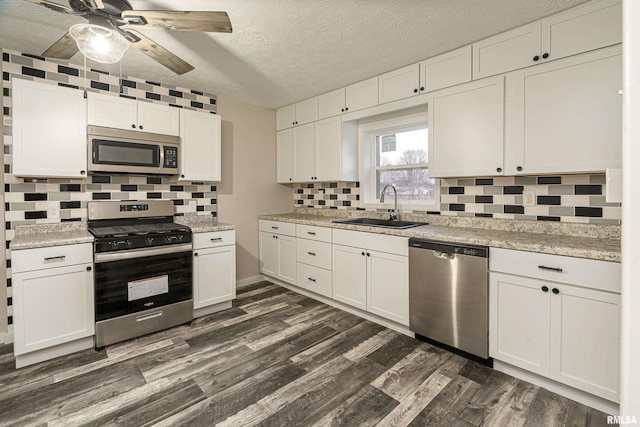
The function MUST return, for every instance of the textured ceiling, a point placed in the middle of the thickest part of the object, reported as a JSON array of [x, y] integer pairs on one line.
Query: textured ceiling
[[283, 51]]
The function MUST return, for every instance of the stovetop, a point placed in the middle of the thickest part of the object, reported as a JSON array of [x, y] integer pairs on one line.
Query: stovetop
[[140, 229]]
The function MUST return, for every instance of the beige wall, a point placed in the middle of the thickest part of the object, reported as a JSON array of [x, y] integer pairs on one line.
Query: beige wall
[[248, 186]]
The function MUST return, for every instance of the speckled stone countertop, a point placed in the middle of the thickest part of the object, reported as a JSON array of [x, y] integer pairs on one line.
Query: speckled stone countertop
[[581, 247], [44, 235], [203, 224]]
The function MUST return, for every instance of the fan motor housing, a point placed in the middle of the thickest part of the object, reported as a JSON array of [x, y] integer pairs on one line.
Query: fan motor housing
[[111, 7]]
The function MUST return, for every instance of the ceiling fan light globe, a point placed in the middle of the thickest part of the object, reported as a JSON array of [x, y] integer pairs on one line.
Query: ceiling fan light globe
[[98, 43]]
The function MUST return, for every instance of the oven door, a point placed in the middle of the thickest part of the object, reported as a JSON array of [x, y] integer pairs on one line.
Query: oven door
[[132, 281]]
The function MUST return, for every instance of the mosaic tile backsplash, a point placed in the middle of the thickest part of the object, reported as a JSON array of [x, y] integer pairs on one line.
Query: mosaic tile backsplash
[[28, 201], [566, 198]]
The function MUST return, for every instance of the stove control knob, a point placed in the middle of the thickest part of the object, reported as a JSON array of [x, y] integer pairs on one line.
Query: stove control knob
[[149, 241], [129, 243], [180, 238], [169, 239]]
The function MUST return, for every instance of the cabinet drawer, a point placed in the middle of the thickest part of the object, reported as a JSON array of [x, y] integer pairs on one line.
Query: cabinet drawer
[[603, 275], [214, 239], [311, 232], [375, 242], [314, 253], [51, 257], [314, 279], [277, 227]]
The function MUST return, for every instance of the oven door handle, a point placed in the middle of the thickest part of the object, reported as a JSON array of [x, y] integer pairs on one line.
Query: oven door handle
[[141, 253]]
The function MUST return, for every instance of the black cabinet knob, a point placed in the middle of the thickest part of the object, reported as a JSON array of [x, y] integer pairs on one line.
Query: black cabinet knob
[[342, 110], [82, 172], [545, 55], [498, 169], [195, 254], [133, 126], [421, 88], [536, 58], [519, 168], [275, 237], [415, 91], [545, 289], [181, 176], [141, 127], [88, 268], [346, 109], [368, 254], [555, 291], [362, 253], [290, 179]]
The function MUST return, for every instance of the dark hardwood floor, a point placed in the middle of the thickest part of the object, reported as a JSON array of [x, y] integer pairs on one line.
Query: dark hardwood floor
[[275, 359]]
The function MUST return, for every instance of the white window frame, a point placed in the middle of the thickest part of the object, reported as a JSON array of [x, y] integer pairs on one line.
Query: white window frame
[[367, 131]]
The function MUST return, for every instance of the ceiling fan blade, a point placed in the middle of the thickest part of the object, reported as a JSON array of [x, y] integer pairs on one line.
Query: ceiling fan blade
[[210, 22], [52, 5], [64, 48], [159, 54]]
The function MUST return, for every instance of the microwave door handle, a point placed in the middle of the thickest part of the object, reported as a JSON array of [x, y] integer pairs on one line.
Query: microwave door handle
[[160, 156]]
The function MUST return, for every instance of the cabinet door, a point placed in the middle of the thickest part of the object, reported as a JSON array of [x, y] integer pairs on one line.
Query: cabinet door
[[52, 306], [566, 116], [449, 69], [112, 111], [285, 117], [591, 26], [304, 153], [286, 258], [519, 316], [507, 51], [214, 273], [328, 143], [350, 276], [466, 135], [585, 340], [361, 95], [268, 249], [156, 118], [307, 111], [49, 130], [284, 154], [388, 287], [331, 104], [399, 84], [200, 150]]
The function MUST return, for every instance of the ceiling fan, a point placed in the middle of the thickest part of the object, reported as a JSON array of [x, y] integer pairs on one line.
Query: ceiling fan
[[109, 31]]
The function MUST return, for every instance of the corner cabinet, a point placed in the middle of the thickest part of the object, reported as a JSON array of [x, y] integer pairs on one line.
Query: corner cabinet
[[124, 113], [200, 146], [466, 129], [214, 269], [558, 317], [49, 130], [53, 301]]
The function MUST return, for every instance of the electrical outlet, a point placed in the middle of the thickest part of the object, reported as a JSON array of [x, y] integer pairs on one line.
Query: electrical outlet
[[192, 205], [53, 210], [529, 198]]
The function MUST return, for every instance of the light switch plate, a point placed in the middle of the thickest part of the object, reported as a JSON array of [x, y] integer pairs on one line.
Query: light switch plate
[[53, 210], [529, 198], [192, 205]]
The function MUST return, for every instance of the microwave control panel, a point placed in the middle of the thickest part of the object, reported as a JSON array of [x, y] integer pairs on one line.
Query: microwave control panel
[[170, 157]]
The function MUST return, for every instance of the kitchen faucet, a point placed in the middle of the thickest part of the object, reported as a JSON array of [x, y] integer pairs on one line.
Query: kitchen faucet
[[393, 215]]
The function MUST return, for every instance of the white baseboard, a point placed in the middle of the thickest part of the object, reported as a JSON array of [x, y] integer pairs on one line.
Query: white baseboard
[[204, 311], [249, 280], [606, 406]]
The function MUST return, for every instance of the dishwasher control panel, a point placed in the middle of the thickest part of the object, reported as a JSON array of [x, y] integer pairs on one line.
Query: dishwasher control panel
[[451, 248]]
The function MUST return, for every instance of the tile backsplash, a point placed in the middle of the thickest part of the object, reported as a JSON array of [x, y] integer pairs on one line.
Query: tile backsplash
[[565, 198]]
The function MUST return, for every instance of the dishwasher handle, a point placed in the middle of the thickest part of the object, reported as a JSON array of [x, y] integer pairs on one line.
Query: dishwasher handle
[[443, 255]]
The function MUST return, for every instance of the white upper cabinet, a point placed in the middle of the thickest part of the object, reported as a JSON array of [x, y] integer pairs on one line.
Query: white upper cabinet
[[124, 113], [508, 51], [49, 130], [331, 104], [591, 26], [297, 114], [361, 95], [449, 69], [200, 146], [304, 153], [399, 84], [565, 116], [466, 135], [284, 156], [336, 150]]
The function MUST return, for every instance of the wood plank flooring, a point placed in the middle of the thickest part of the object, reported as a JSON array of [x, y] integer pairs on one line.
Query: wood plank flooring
[[276, 358]]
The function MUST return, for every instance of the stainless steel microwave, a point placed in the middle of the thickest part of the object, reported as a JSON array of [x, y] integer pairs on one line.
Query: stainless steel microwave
[[126, 151]]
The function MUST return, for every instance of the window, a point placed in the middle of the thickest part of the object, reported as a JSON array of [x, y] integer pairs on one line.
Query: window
[[396, 151]]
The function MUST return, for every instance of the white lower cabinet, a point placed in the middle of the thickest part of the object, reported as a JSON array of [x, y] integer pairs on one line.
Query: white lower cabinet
[[214, 268], [350, 276], [53, 300], [277, 248], [313, 256], [563, 331]]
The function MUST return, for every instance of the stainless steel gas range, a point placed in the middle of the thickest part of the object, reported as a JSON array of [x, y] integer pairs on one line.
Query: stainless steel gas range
[[143, 269]]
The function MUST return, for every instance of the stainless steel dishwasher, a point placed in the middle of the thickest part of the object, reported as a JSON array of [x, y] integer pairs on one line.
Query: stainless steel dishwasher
[[449, 295]]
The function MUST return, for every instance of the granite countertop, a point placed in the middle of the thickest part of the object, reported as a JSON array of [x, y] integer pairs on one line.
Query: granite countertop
[[45, 235], [203, 224], [581, 247]]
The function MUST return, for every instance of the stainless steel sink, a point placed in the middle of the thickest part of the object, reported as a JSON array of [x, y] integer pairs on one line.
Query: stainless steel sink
[[385, 223]]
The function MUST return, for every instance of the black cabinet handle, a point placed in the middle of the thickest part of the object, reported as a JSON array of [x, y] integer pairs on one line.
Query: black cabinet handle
[[544, 267], [88, 268], [545, 55], [556, 291], [311, 279], [141, 127], [415, 91], [421, 88], [536, 58], [498, 169], [311, 253], [133, 126], [519, 168], [311, 233], [545, 289]]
